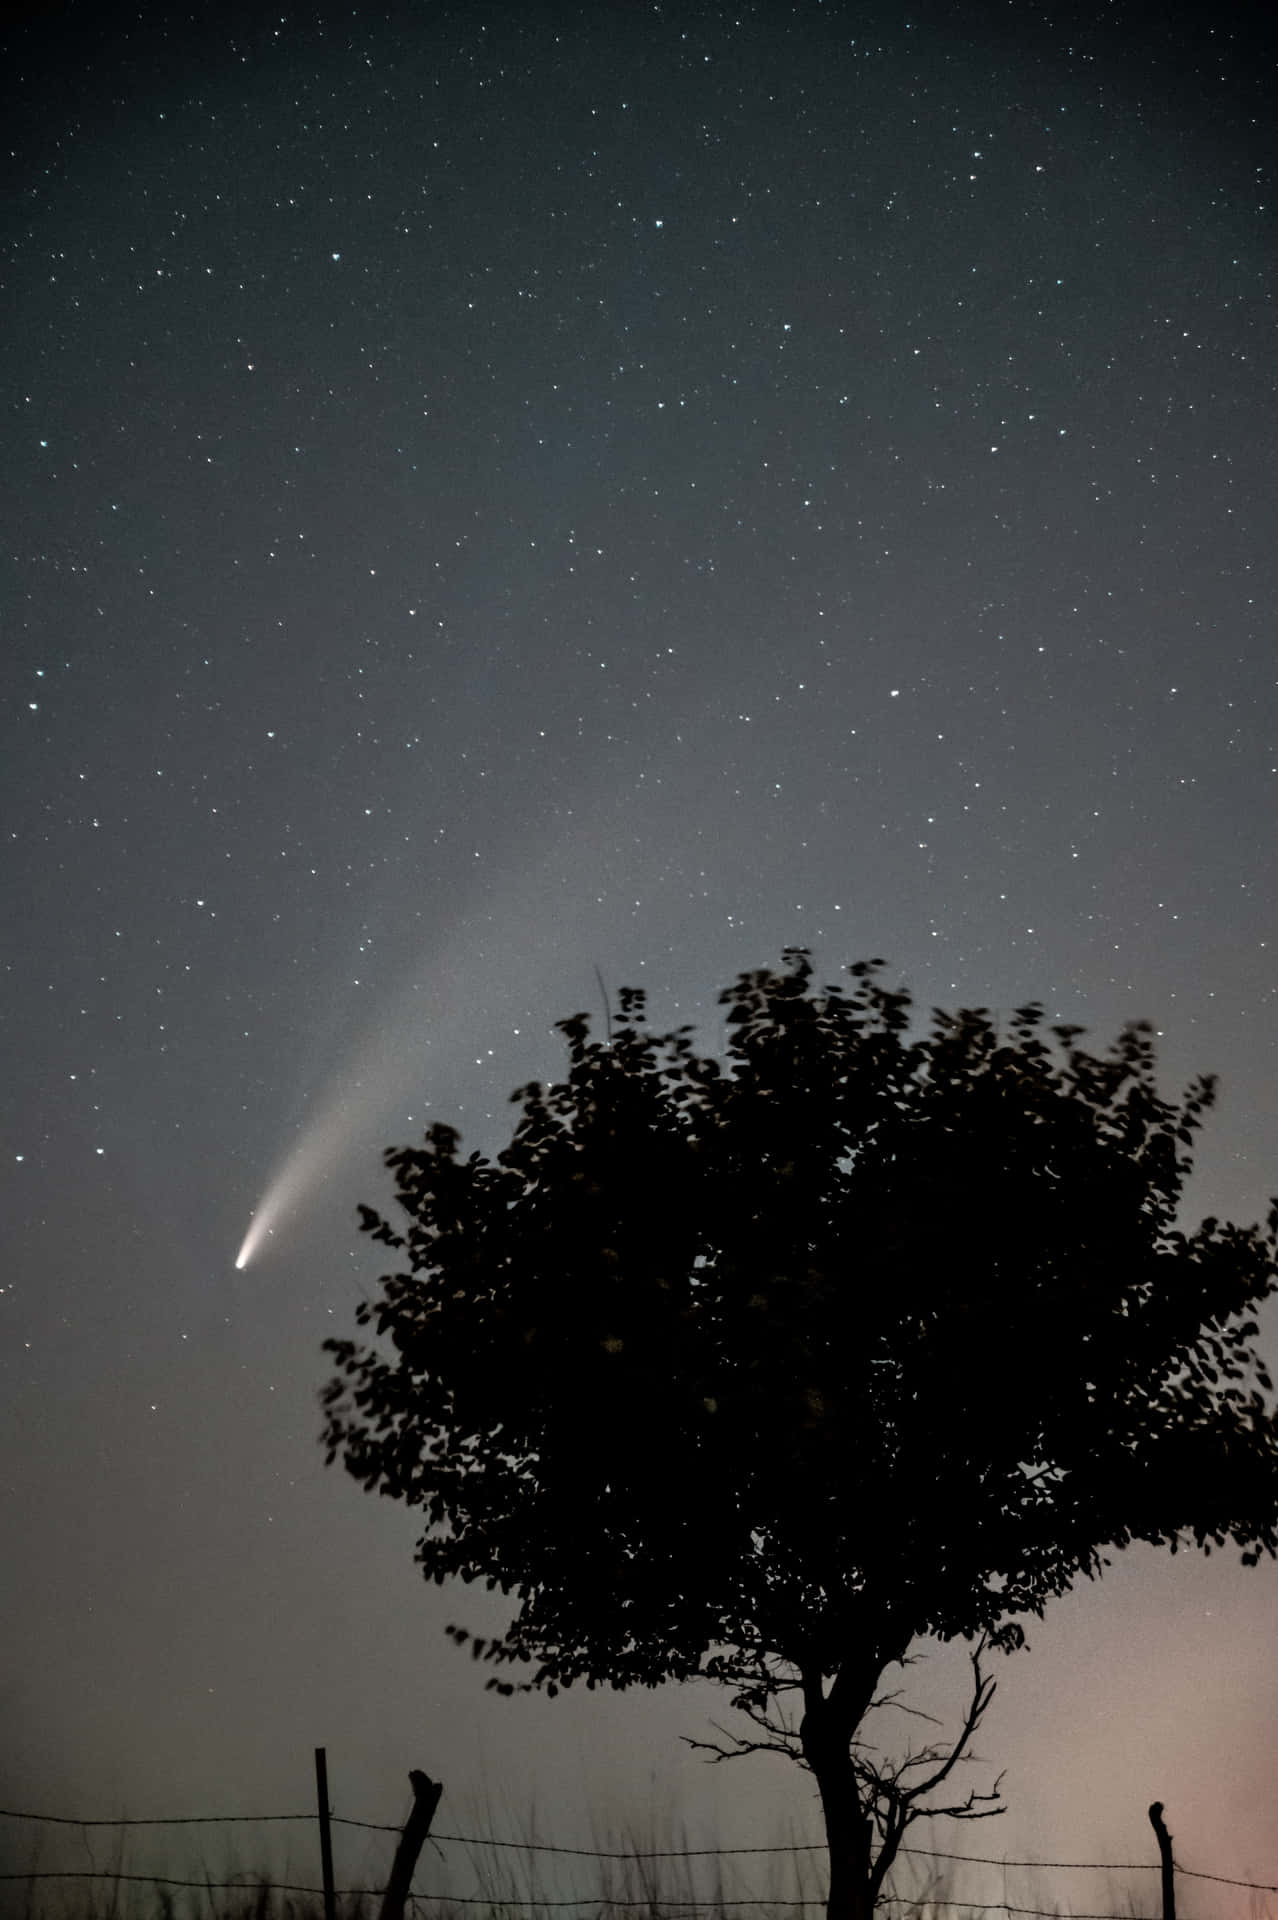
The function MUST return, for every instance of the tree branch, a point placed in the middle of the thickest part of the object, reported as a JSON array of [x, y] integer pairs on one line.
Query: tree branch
[[740, 1745], [894, 1802], [982, 1693], [738, 1748]]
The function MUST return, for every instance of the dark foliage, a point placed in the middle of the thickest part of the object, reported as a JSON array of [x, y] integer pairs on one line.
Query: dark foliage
[[861, 1337]]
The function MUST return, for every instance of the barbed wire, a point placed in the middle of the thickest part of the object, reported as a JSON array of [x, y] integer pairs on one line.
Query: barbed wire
[[1260, 1886], [247, 1885], [172, 1820], [589, 1853], [598, 1853], [995, 1906]]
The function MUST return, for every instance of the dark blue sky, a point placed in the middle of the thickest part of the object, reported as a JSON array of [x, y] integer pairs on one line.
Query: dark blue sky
[[495, 492]]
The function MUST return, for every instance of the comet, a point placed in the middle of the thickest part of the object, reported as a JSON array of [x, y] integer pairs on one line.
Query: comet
[[251, 1241], [351, 1113], [434, 1029], [324, 1146]]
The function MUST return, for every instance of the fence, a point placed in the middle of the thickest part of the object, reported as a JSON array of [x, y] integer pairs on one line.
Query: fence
[[397, 1892]]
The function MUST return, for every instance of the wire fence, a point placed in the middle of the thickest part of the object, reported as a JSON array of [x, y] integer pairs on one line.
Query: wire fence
[[597, 1899]]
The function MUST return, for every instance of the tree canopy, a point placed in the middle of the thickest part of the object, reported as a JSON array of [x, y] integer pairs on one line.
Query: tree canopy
[[757, 1371]]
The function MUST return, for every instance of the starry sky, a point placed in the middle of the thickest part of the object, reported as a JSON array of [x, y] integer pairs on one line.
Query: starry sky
[[495, 493]]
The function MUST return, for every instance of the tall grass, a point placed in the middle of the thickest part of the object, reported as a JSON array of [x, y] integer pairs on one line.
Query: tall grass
[[476, 1881], [466, 1882]]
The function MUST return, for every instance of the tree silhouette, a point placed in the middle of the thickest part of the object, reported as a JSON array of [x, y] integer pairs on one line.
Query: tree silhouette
[[760, 1372]]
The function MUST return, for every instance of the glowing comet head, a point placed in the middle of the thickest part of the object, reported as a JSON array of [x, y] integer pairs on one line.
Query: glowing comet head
[[258, 1230], [262, 1225], [316, 1156], [383, 1071]]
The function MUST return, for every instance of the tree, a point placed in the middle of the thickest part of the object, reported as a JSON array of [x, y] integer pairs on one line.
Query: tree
[[760, 1373]]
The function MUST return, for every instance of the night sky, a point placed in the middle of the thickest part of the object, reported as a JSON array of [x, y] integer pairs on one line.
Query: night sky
[[498, 493]]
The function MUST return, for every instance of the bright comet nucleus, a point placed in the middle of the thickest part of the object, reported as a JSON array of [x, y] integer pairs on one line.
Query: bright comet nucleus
[[351, 1113], [466, 984], [252, 1239], [261, 1227]]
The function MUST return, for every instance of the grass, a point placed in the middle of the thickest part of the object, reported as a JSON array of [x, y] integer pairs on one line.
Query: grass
[[517, 1882], [478, 1882]]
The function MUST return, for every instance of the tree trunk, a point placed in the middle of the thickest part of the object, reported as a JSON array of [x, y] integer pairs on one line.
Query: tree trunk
[[847, 1833], [826, 1732]]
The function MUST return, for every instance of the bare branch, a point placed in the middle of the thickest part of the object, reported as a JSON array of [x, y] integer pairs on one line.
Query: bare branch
[[975, 1807], [894, 1700], [777, 1728], [983, 1689], [739, 1747], [893, 1802]]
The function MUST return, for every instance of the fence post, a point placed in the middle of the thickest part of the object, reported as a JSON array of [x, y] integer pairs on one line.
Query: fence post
[[426, 1794], [326, 1833], [1165, 1855]]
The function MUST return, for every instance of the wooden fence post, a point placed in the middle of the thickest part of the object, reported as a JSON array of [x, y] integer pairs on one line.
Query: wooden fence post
[[1165, 1855], [426, 1794], [326, 1833]]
